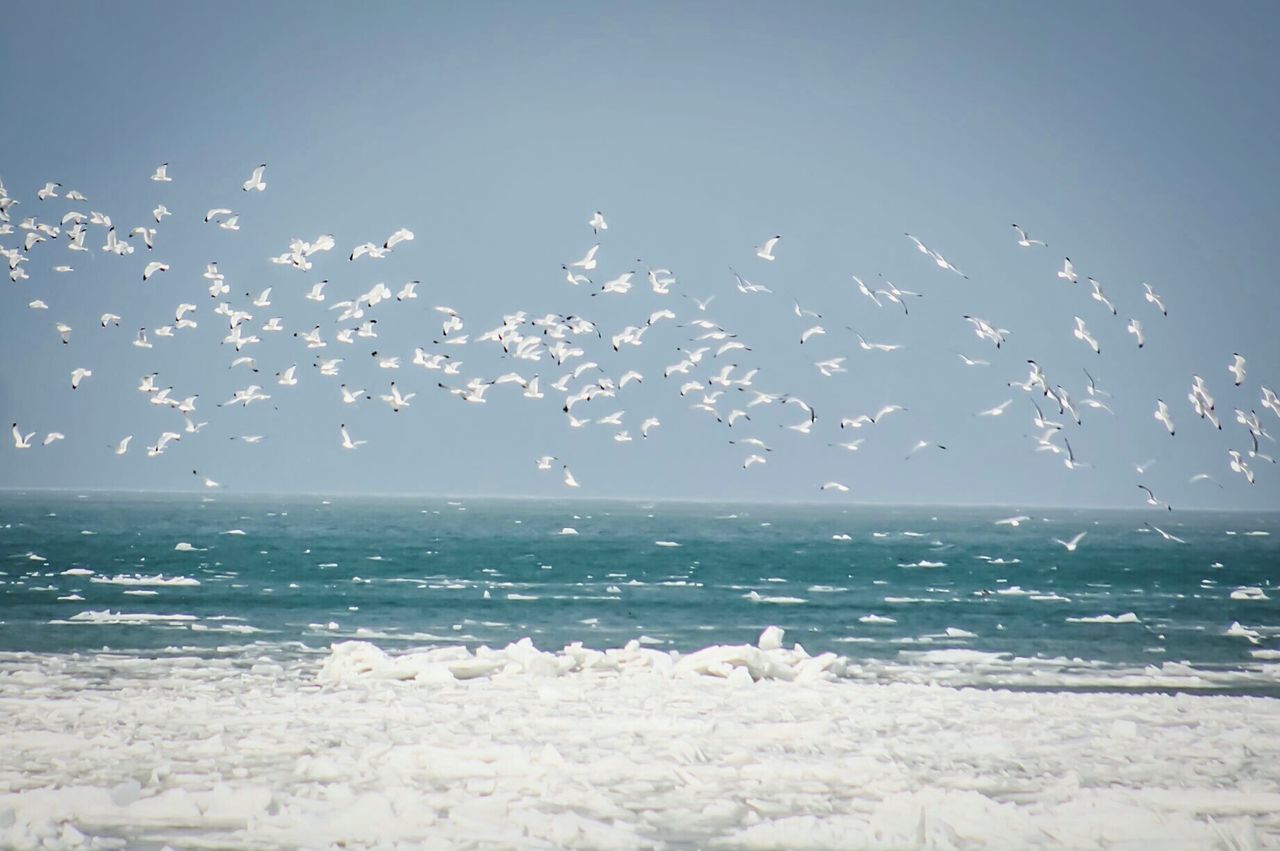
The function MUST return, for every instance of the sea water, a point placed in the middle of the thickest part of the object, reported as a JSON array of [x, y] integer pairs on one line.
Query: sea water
[[911, 594]]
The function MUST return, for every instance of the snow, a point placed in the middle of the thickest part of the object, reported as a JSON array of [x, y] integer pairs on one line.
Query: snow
[[744, 746]]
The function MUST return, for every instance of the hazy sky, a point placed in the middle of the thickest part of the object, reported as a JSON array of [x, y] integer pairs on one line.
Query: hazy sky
[[1137, 138]]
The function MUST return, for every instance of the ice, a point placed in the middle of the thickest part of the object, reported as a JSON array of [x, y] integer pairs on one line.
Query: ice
[[924, 563], [665, 544], [879, 619], [106, 616], [138, 579], [757, 597], [1249, 593], [1127, 617], [1238, 630], [186, 547], [568, 530], [77, 571], [730, 746]]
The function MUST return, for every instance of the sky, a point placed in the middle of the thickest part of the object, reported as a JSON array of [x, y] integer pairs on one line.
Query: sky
[[1134, 138]]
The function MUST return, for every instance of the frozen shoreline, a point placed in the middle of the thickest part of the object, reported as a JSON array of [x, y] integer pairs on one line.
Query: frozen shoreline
[[610, 749]]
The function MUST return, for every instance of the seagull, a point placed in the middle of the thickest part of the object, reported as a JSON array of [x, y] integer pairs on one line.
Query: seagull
[[836, 486], [753, 459], [1073, 543], [701, 303], [997, 410], [1068, 272], [1135, 328], [287, 378], [1098, 296], [395, 400], [19, 441], [971, 362], [1162, 414], [746, 287], [208, 482], [1154, 297], [1070, 461], [148, 236], [123, 446], [569, 480], [407, 291], [1164, 534], [1237, 368], [109, 319], [64, 331], [597, 222], [544, 463], [765, 250], [216, 213], [650, 423], [160, 212], [1082, 333], [317, 291], [347, 442], [255, 180], [153, 267], [881, 347], [1151, 498], [1237, 465], [922, 444], [1013, 521], [52, 437], [49, 191], [162, 174], [588, 262], [1027, 243], [79, 374]]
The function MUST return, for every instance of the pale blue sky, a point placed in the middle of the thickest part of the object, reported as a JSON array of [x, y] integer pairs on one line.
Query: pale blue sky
[[1137, 138]]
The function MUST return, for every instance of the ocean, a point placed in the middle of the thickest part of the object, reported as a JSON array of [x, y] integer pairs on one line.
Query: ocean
[[257, 672], [898, 590]]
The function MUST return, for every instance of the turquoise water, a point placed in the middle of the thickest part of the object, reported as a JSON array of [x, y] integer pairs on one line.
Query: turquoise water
[[405, 572]]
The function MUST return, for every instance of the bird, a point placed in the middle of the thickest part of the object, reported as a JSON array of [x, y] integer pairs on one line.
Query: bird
[[1068, 271], [1162, 414], [1082, 333], [997, 410], [588, 262], [971, 361], [1073, 543], [569, 480], [836, 486], [1237, 465], [123, 446], [1013, 521], [1152, 296], [79, 374], [161, 174], [1237, 368], [1151, 498], [347, 442], [1027, 243], [923, 444], [1163, 533], [53, 437], [1098, 296], [109, 319], [753, 459], [765, 249], [153, 267], [208, 482], [544, 463], [19, 440], [597, 222], [255, 181], [160, 212], [1135, 328]]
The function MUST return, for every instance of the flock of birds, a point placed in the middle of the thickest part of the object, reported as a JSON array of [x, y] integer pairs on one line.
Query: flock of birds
[[702, 372]]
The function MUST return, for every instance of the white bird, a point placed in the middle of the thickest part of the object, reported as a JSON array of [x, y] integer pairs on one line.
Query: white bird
[[287, 378], [19, 441], [395, 400], [49, 191], [597, 222], [79, 374], [881, 347], [123, 446], [52, 437], [1070, 461], [569, 480], [1071, 544], [160, 212], [230, 223], [1098, 296], [835, 486], [923, 444], [997, 410], [811, 332], [1135, 328], [347, 442], [1237, 465], [216, 213], [765, 249], [208, 482], [64, 331], [255, 180], [746, 287], [588, 262], [1162, 414], [1237, 368], [1154, 297], [317, 291], [37, 304], [701, 303], [109, 319], [148, 235], [971, 362], [1082, 333], [1013, 521], [407, 291], [753, 459], [1068, 271], [141, 340], [650, 423], [544, 463], [162, 174], [1027, 243], [1151, 498], [1164, 534], [153, 267]]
